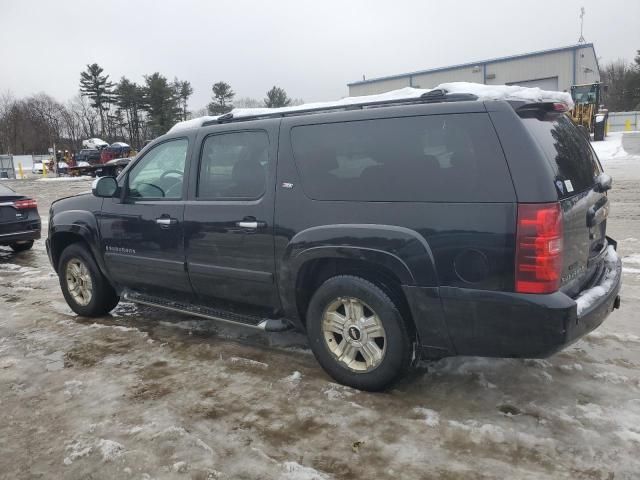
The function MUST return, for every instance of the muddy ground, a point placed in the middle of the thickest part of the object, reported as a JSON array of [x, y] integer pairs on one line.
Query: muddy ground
[[148, 394]]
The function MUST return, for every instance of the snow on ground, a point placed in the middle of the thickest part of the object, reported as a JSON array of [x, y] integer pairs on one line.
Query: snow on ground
[[483, 92], [611, 147], [151, 394], [64, 179]]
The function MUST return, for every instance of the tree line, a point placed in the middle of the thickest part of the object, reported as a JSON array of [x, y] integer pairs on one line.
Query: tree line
[[623, 85], [114, 111]]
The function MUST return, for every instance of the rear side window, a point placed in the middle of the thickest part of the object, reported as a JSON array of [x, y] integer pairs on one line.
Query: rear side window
[[567, 149], [446, 158]]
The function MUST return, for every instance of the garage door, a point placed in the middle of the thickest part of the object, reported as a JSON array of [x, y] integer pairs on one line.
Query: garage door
[[550, 83]]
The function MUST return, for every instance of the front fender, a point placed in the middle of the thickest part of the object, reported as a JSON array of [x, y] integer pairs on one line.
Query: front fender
[[80, 223]]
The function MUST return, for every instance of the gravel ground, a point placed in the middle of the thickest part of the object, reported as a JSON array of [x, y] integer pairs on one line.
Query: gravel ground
[[148, 394]]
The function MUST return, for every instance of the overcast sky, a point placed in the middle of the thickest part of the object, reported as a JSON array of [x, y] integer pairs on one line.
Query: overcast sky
[[310, 48]]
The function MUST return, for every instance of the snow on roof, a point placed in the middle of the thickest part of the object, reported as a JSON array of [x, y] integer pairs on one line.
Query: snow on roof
[[483, 92]]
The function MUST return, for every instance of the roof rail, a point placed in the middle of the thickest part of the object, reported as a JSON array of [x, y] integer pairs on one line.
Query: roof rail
[[433, 96]]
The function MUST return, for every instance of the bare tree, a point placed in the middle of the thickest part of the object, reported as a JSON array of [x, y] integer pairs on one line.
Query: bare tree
[[7, 102], [86, 115], [248, 102]]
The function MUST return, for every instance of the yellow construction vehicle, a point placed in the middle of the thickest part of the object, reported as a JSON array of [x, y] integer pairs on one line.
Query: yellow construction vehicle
[[588, 112]]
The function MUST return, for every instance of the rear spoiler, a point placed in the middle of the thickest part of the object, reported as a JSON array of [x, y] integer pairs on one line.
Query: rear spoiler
[[546, 107]]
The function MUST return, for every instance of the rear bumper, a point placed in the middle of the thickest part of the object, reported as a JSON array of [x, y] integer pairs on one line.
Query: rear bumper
[[502, 324]]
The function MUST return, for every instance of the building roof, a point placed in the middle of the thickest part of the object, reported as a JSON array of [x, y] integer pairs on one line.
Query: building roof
[[477, 63]]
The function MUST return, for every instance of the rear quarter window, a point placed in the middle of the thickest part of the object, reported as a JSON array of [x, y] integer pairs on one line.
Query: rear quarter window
[[438, 158], [567, 149]]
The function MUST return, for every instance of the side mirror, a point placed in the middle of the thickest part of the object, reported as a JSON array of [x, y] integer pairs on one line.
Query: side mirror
[[104, 187]]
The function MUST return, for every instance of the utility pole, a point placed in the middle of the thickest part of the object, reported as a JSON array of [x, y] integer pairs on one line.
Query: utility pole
[[582, 12]]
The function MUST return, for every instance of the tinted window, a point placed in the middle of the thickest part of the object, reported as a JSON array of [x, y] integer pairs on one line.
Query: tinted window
[[234, 165], [159, 174], [448, 158], [567, 149]]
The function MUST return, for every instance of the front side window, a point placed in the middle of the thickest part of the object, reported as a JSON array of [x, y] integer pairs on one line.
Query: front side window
[[234, 165], [160, 173]]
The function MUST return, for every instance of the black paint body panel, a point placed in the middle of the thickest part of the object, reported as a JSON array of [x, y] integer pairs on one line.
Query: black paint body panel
[[426, 247]]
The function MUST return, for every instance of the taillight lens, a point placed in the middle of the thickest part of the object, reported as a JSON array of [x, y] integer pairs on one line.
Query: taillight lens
[[538, 248], [25, 204], [560, 107]]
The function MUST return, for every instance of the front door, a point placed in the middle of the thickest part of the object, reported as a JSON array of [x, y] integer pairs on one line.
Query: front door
[[229, 217], [143, 234]]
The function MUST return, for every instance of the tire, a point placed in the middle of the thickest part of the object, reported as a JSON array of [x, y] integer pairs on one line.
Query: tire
[[383, 366], [77, 265], [118, 171], [22, 246]]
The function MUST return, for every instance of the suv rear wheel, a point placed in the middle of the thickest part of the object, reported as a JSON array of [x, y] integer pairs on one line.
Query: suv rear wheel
[[358, 334], [85, 289]]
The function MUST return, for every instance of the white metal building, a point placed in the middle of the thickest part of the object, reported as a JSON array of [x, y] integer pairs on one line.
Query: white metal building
[[555, 69]]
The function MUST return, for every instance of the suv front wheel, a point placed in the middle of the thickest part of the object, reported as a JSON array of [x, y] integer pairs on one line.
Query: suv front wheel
[[84, 287], [357, 333]]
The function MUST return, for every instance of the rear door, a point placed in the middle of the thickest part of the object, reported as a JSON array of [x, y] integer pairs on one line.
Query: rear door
[[229, 215], [584, 206]]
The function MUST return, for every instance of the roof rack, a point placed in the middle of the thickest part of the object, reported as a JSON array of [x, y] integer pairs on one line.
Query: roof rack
[[433, 96]]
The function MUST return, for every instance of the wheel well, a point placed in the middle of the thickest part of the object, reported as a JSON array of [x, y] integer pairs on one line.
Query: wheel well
[[315, 272], [59, 242]]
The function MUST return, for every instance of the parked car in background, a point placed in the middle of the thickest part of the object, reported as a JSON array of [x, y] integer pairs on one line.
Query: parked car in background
[[113, 167], [89, 155], [37, 168], [19, 220], [436, 226], [115, 150]]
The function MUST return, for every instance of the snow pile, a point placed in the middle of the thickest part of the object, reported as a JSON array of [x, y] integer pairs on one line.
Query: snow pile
[[611, 147], [109, 449], [588, 297], [507, 92], [64, 179], [431, 417], [293, 470], [483, 92]]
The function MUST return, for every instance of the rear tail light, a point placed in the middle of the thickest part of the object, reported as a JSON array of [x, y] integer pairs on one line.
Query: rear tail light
[[560, 107], [538, 248], [25, 204]]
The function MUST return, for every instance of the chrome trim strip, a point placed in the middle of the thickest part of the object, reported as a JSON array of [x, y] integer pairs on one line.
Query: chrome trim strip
[[17, 233]]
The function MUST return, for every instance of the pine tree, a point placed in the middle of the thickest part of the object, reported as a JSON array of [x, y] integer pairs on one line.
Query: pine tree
[[131, 102], [161, 103], [98, 88], [277, 97], [222, 98], [183, 91]]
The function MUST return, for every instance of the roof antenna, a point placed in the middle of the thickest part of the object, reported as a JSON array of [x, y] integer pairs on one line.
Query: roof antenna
[[581, 39]]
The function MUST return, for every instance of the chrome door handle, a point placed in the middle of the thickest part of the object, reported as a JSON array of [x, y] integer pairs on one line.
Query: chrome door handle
[[165, 221], [252, 224], [247, 224]]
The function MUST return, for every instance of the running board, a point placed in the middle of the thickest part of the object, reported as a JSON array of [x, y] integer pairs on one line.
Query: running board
[[218, 315]]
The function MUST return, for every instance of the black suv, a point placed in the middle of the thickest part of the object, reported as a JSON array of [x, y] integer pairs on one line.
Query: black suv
[[427, 227]]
